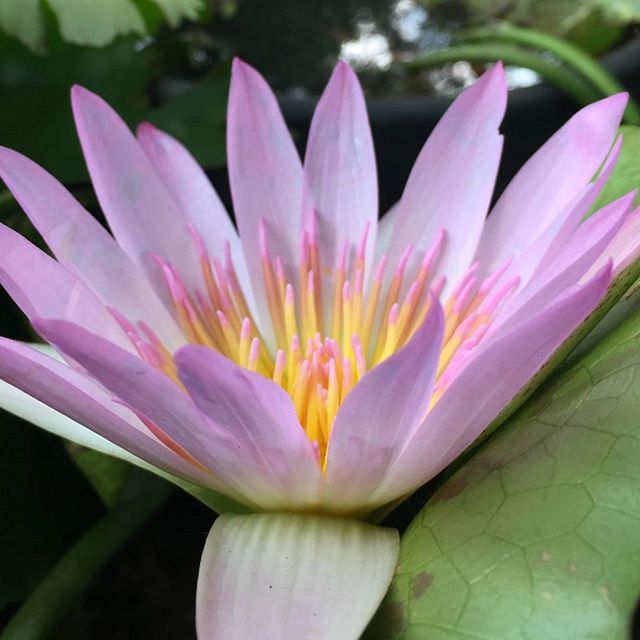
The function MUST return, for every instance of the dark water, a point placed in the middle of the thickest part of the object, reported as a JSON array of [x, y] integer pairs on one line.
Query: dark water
[[295, 44]]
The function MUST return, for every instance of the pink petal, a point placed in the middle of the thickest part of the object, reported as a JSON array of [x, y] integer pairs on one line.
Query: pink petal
[[569, 265], [84, 247], [266, 177], [41, 286], [491, 379], [381, 413], [452, 181], [72, 393], [141, 212], [340, 170], [559, 231], [624, 249], [553, 177], [258, 413], [194, 194], [152, 394]]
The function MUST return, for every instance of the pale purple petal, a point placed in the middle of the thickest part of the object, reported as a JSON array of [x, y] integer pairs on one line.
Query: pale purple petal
[[258, 413], [570, 264], [381, 413], [559, 231], [73, 394], [195, 196], [452, 181], [554, 177], [266, 177], [141, 212], [485, 386], [152, 394], [340, 171], [84, 247], [40, 286], [624, 249]]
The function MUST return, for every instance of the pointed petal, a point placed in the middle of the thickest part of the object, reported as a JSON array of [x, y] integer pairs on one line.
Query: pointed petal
[[492, 378], [624, 249], [569, 265], [452, 181], [550, 180], [559, 231], [381, 413], [152, 394], [82, 245], [195, 196], [266, 177], [41, 286], [340, 170], [140, 210], [77, 396], [72, 400], [281, 576], [258, 413]]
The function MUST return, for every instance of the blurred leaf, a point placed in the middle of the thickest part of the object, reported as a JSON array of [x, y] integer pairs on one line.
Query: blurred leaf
[[197, 118], [93, 23], [626, 174], [35, 106], [105, 473], [176, 10], [96, 23], [595, 25], [24, 20], [537, 535], [45, 504]]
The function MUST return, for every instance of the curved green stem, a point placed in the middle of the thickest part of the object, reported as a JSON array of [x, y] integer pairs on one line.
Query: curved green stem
[[561, 77], [569, 54], [141, 495]]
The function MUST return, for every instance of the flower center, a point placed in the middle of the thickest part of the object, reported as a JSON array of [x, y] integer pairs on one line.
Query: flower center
[[322, 353]]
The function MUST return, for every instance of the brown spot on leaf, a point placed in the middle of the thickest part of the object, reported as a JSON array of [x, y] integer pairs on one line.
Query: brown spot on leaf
[[420, 583], [452, 488]]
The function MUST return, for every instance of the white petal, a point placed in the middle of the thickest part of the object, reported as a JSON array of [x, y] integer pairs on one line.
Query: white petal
[[292, 577]]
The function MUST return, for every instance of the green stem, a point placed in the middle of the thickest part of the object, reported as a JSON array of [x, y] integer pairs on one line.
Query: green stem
[[569, 54], [563, 78], [141, 496]]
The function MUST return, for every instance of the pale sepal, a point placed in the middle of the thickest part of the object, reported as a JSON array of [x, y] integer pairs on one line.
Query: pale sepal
[[285, 576]]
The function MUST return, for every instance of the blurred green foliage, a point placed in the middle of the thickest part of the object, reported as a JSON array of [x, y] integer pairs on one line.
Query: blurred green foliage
[[594, 25], [96, 23]]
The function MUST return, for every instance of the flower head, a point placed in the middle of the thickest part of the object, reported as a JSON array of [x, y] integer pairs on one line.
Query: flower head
[[315, 360]]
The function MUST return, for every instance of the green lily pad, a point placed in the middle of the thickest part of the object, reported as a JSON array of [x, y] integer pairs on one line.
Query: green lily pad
[[537, 535]]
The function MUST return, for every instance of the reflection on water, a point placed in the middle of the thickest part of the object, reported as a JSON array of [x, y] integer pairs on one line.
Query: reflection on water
[[295, 43]]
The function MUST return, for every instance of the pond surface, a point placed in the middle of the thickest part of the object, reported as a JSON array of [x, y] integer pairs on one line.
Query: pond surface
[[296, 44]]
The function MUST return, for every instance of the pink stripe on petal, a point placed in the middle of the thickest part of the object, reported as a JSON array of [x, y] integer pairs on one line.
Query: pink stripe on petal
[[452, 181], [266, 177], [492, 379], [82, 245], [258, 413], [552, 178], [381, 414], [340, 170]]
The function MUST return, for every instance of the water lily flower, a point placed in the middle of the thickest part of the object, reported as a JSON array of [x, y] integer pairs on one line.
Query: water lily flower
[[315, 363]]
